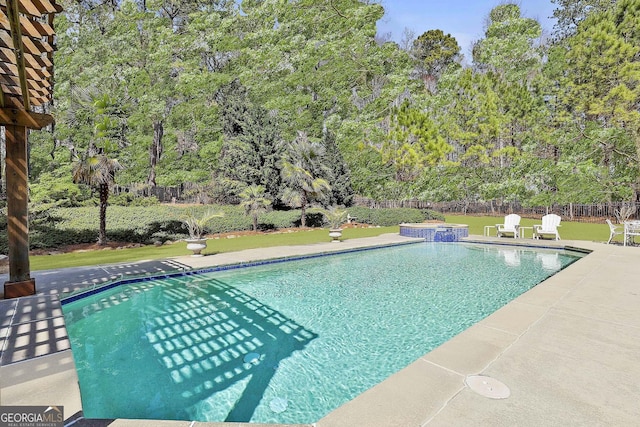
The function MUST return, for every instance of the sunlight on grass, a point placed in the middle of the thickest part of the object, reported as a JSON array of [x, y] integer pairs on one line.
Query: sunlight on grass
[[568, 231], [99, 257]]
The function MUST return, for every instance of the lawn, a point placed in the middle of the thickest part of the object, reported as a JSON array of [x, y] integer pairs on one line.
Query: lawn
[[112, 256], [568, 231]]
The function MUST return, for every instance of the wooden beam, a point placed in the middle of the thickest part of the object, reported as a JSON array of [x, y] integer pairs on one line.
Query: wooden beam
[[14, 19], [26, 7], [12, 80], [19, 289], [37, 46], [42, 28], [27, 119], [28, 27], [17, 204], [45, 6]]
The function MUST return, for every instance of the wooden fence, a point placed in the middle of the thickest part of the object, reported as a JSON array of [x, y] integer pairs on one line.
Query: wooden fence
[[183, 193]]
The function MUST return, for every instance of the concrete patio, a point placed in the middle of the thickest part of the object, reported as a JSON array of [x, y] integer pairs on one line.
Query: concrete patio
[[567, 349]]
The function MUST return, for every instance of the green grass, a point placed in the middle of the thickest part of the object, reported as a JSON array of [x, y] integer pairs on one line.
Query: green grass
[[568, 231], [77, 259]]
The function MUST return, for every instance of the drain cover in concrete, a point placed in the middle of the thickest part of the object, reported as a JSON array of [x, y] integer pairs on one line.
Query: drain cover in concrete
[[488, 387]]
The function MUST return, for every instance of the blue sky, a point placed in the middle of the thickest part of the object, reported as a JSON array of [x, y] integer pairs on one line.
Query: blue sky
[[463, 19]]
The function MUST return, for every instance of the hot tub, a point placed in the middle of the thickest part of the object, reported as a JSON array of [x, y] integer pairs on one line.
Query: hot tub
[[435, 231]]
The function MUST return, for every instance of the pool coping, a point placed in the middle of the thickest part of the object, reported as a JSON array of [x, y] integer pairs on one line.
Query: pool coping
[[411, 397]]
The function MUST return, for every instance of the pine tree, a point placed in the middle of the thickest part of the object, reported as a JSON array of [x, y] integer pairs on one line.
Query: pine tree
[[251, 147], [338, 176], [600, 88], [413, 143]]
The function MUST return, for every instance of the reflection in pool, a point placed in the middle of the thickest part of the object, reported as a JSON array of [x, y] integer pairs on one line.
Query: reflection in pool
[[286, 342]]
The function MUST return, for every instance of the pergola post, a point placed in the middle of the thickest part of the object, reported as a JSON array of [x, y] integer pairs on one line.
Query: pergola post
[[26, 81], [20, 282]]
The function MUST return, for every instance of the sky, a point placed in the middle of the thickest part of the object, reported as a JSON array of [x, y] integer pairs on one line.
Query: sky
[[463, 19]]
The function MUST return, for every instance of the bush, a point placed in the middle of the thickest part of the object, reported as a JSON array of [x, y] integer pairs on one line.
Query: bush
[[430, 215], [47, 238], [53, 227], [279, 219], [57, 188], [128, 199], [386, 217]]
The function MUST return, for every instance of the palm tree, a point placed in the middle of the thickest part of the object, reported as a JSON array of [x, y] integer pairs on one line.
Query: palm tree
[[97, 171], [254, 202], [304, 157]]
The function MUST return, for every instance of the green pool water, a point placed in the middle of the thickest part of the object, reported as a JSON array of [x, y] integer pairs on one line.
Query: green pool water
[[286, 342]]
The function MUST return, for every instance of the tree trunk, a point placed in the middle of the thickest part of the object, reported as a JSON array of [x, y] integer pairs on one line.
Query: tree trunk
[[155, 151], [104, 197], [303, 208], [255, 222]]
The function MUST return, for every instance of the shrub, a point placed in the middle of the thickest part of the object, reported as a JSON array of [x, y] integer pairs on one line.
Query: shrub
[[57, 188], [386, 217], [128, 199], [53, 227], [280, 219], [430, 215], [47, 238]]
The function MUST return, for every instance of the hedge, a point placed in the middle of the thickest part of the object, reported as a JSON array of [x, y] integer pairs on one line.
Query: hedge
[[56, 227]]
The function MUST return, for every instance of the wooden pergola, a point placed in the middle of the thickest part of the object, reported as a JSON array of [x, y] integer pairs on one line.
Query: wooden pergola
[[27, 42]]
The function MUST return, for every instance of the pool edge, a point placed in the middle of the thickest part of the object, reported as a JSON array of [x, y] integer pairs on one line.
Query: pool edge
[[339, 413]]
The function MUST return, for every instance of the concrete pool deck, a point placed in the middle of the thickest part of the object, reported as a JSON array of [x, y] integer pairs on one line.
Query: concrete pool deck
[[568, 350]]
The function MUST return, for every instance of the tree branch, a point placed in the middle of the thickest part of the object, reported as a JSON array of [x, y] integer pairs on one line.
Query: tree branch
[[333, 6]]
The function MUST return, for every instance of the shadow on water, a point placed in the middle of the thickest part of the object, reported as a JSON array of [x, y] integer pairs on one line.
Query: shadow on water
[[208, 337]]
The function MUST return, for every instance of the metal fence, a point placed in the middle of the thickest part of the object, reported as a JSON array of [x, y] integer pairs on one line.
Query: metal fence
[[595, 213]]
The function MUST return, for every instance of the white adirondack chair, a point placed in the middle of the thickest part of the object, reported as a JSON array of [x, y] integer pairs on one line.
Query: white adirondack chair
[[631, 229], [510, 227], [614, 230], [548, 228]]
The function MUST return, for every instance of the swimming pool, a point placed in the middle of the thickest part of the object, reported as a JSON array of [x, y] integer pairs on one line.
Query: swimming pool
[[287, 342]]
